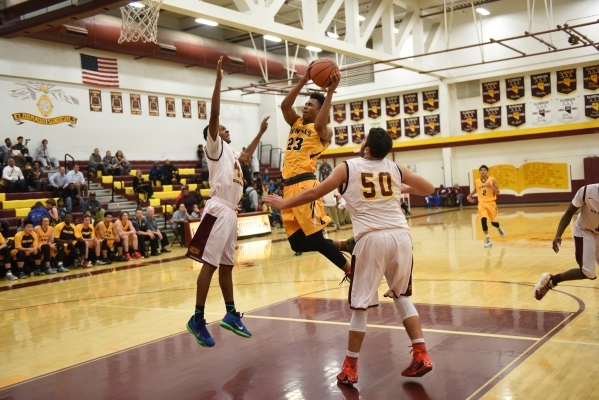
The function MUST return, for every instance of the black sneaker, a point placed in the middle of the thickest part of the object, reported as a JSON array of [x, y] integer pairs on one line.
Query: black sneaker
[[165, 250]]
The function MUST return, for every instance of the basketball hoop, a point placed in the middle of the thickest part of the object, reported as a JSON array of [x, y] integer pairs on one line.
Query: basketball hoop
[[140, 21]]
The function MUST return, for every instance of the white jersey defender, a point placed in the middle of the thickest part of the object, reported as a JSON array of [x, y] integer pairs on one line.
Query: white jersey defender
[[586, 229]]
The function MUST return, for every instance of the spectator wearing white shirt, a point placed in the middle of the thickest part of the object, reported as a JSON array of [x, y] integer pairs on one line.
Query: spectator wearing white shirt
[[43, 156], [13, 177], [255, 163], [78, 179], [329, 202], [58, 182]]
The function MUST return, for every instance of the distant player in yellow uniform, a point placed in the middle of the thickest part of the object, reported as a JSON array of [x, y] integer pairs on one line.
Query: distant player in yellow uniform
[[107, 236], [46, 245], [26, 246], [308, 138], [486, 189], [87, 233], [5, 255]]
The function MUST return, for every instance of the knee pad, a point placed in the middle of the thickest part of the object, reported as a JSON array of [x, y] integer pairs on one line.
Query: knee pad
[[483, 221], [405, 307], [358, 320]]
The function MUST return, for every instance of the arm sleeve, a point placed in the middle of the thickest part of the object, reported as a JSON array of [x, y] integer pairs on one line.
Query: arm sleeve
[[214, 147], [579, 200]]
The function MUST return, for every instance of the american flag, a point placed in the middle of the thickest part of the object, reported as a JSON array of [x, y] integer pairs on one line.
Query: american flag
[[99, 71]]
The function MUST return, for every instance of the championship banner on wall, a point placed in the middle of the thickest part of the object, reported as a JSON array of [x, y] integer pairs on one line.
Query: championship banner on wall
[[491, 93], [591, 78], [392, 106], [591, 106], [541, 112], [567, 110], [540, 85], [394, 128], [516, 114], [374, 108], [341, 135], [170, 107], [430, 100], [492, 117], [410, 103], [566, 81], [201, 109], [95, 100], [357, 133], [514, 88], [339, 113], [469, 120], [135, 101], [116, 102], [411, 127], [357, 110], [153, 103], [432, 124], [186, 105]]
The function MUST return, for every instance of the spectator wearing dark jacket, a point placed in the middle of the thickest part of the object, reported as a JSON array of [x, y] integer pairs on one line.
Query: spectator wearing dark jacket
[[155, 173], [170, 173], [140, 185], [71, 196], [96, 163], [93, 206]]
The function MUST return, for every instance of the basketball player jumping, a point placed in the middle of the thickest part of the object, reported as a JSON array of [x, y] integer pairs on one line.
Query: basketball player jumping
[[586, 240], [372, 185], [308, 138], [214, 242], [486, 189]]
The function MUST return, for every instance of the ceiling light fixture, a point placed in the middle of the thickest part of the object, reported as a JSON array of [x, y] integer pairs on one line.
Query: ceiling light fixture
[[273, 38], [206, 22], [314, 49], [482, 11], [136, 4], [332, 34], [361, 18]]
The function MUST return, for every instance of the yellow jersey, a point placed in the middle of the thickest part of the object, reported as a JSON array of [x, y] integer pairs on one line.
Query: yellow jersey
[[485, 194], [108, 230], [303, 149], [85, 233], [26, 241], [44, 237], [2, 241]]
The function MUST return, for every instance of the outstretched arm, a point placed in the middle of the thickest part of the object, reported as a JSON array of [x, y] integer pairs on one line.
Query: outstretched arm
[[320, 124], [246, 155], [287, 105], [214, 123], [563, 224]]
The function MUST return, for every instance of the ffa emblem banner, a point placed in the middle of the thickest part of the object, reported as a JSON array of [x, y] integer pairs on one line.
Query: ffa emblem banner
[[116, 102], [516, 114], [339, 112], [567, 110], [374, 108], [492, 117], [341, 135], [432, 124], [591, 106], [186, 108], [357, 133], [357, 110], [541, 112], [170, 107], [410, 103], [201, 109], [411, 127], [469, 120], [135, 101], [153, 103], [491, 92], [514, 88], [591, 78], [566, 81], [392, 106], [430, 100], [394, 128], [540, 85]]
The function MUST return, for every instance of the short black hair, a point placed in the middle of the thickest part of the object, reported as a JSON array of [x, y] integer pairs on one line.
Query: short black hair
[[38, 204], [483, 166], [107, 213], [20, 137], [139, 209], [27, 222], [206, 133], [379, 142], [319, 97]]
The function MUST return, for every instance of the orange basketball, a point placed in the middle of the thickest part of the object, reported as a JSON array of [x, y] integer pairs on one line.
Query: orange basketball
[[321, 71]]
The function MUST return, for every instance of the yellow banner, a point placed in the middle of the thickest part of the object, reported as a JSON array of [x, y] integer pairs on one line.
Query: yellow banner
[[530, 177], [22, 117]]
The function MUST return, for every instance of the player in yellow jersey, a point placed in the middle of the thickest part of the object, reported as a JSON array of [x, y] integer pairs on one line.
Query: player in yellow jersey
[[5, 255], [26, 246], [107, 235], [308, 138], [486, 189], [46, 245], [86, 232]]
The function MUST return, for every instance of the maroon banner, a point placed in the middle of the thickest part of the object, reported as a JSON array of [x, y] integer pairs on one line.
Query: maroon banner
[[411, 127], [566, 81], [540, 85], [516, 114], [514, 88], [374, 108], [430, 100], [591, 106], [394, 128], [410, 103], [591, 78], [116, 102], [153, 103], [357, 133], [186, 105], [392, 106], [341, 135], [339, 113], [170, 107], [469, 120], [95, 100], [432, 124], [491, 93], [357, 110], [492, 117]]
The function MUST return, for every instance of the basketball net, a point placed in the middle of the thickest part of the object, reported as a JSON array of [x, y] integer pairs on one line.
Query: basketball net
[[140, 21]]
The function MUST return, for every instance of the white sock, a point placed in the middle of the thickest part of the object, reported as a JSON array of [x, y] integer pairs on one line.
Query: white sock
[[352, 354], [487, 236], [419, 340]]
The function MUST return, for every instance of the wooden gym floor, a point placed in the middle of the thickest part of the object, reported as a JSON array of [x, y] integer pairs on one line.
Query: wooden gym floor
[[118, 332]]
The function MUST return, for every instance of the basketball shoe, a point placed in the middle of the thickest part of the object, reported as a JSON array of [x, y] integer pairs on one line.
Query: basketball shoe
[[232, 322], [346, 245], [200, 332], [421, 362], [348, 374], [488, 242], [501, 232], [543, 286]]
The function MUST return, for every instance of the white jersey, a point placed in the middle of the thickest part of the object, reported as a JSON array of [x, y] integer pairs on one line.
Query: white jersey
[[372, 194], [226, 178], [587, 199]]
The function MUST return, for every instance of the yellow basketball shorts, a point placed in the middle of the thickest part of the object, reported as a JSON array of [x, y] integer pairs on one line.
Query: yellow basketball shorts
[[487, 209], [310, 218]]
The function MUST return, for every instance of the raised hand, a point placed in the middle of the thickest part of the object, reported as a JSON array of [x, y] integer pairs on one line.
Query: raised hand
[[219, 69], [335, 79], [264, 124]]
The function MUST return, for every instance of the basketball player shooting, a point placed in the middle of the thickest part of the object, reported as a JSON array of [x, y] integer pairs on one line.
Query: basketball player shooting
[[372, 185]]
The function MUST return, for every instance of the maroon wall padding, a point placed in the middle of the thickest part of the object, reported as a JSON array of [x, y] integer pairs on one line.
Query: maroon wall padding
[[591, 170]]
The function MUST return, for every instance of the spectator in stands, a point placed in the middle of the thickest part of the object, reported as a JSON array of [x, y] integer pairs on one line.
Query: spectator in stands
[[37, 212], [158, 235], [329, 202], [252, 194], [180, 195], [170, 173], [247, 175], [58, 182], [5, 226], [141, 229], [78, 179], [258, 181], [19, 152], [178, 220], [433, 198], [96, 163], [13, 178], [123, 162], [325, 170], [445, 195], [188, 200], [38, 181], [43, 156], [457, 194], [23, 148], [344, 217], [71, 196], [62, 209], [112, 165], [53, 211], [128, 245], [205, 177], [140, 185], [4, 153], [19, 159], [202, 206], [271, 186], [255, 164], [201, 155], [198, 195], [195, 213], [404, 206], [93, 206], [155, 173], [265, 175]]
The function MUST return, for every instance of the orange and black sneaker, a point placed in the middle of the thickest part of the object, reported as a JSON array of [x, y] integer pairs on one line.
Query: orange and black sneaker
[[421, 362], [349, 373], [346, 245]]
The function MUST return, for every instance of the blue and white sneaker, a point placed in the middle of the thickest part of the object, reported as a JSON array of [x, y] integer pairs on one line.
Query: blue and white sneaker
[[62, 268], [233, 323], [200, 332], [49, 271]]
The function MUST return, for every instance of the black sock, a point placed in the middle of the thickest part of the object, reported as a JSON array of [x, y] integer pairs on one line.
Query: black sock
[[230, 307], [555, 279], [199, 313]]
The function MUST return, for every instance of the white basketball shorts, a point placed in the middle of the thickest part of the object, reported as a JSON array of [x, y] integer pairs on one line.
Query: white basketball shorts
[[587, 251]]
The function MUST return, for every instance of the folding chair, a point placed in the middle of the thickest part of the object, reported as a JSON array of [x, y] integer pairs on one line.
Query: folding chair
[[176, 233]]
